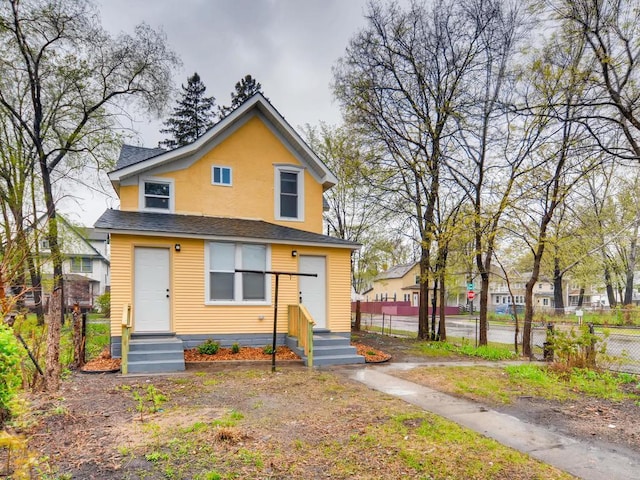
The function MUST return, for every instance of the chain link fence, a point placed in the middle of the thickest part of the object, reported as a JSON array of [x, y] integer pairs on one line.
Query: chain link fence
[[617, 346]]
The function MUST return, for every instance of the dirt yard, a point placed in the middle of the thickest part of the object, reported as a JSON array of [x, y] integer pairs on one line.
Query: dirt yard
[[106, 426]]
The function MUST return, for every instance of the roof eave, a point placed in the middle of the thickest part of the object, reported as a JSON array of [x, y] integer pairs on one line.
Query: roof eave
[[229, 238]]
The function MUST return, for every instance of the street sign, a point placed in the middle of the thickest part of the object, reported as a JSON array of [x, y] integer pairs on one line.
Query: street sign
[[471, 295], [470, 286]]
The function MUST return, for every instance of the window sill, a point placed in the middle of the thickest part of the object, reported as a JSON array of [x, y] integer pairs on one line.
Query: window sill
[[229, 303]]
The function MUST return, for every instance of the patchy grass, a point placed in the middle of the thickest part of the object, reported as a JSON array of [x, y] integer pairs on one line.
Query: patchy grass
[[493, 351], [504, 385], [253, 424]]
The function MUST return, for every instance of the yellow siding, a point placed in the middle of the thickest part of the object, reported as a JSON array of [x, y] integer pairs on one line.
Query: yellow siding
[[391, 286], [128, 197], [252, 151], [189, 313]]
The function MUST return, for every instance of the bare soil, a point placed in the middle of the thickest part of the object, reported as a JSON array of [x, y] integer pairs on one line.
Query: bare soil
[[93, 429]]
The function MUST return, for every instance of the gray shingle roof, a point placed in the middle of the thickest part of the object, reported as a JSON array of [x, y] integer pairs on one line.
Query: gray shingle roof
[[397, 271], [200, 226], [130, 155]]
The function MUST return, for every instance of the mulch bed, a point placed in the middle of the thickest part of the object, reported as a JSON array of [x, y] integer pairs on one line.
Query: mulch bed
[[104, 362]]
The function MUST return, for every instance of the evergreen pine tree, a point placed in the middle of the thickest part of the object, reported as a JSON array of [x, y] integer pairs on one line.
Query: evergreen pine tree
[[246, 87], [192, 116]]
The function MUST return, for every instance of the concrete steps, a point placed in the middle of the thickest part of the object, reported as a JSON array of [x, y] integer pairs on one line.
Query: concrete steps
[[328, 349], [155, 354]]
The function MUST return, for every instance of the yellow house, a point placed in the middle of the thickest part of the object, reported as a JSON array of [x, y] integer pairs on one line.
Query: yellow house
[[400, 283], [247, 195]]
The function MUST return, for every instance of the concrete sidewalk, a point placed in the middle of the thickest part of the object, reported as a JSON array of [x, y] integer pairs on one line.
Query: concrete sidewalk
[[571, 455]]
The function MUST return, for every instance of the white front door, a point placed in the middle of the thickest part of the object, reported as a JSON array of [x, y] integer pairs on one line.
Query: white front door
[[313, 290], [151, 290]]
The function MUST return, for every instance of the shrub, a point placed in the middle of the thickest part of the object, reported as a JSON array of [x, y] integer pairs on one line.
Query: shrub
[[268, 349], [235, 348], [209, 347], [10, 378], [103, 302], [577, 347]]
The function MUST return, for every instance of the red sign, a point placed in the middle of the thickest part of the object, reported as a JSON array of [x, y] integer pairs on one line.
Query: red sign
[[471, 295]]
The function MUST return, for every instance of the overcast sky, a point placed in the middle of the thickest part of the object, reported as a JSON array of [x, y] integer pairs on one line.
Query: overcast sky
[[289, 46]]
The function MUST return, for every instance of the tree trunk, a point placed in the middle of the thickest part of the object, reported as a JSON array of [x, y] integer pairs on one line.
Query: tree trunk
[[558, 297], [581, 297], [78, 339], [442, 329], [484, 300], [609, 285], [423, 308], [56, 308], [52, 369], [434, 303], [631, 266]]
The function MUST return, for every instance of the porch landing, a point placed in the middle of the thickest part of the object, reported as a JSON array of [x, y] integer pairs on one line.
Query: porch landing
[[328, 349]]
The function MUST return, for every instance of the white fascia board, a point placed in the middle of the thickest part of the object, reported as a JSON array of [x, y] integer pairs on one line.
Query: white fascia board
[[227, 239]]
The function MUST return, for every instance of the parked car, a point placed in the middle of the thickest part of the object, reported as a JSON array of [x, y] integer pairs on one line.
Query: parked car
[[508, 309]]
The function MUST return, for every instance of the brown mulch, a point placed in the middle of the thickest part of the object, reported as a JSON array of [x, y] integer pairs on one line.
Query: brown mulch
[[104, 362], [245, 353], [371, 354]]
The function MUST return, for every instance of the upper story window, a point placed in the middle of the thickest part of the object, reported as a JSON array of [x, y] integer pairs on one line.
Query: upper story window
[[157, 194], [289, 201], [44, 244], [221, 175], [81, 265]]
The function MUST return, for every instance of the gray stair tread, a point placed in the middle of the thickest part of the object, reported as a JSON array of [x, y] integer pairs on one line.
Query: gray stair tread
[[153, 362]]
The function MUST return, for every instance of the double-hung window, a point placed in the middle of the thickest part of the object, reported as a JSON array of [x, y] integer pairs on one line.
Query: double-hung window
[[81, 265], [289, 201], [227, 285], [157, 194]]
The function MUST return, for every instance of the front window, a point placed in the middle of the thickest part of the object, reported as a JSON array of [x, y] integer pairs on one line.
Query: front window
[[157, 195], [81, 265], [289, 182], [227, 285]]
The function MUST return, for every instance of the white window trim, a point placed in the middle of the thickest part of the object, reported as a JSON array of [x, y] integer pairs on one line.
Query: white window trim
[[237, 286], [299, 171], [220, 184], [82, 263], [172, 194]]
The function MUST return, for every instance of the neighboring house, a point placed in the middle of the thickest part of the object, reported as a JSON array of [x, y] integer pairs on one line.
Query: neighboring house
[[543, 292], [400, 283], [85, 266], [246, 195]]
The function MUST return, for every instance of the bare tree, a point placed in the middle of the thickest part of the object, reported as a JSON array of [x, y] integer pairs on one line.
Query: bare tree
[[64, 82], [491, 152], [610, 31], [402, 81]]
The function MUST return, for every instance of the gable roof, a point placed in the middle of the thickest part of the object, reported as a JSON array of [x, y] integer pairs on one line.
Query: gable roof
[[130, 155], [83, 234], [397, 271], [136, 160], [195, 226]]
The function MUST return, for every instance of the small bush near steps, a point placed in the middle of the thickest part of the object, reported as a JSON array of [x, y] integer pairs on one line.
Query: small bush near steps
[[235, 348], [209, 347]]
